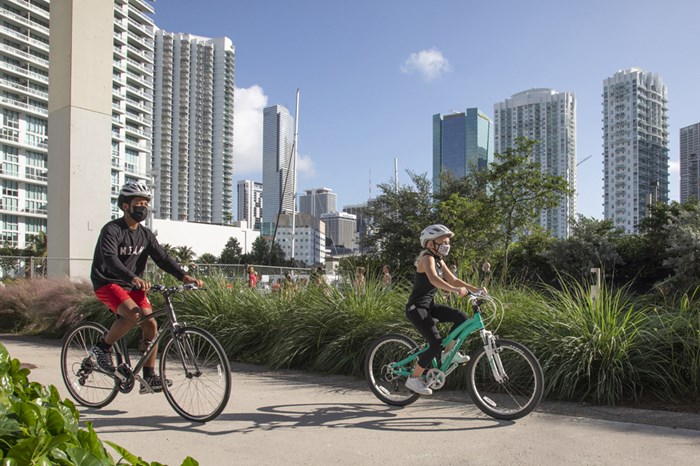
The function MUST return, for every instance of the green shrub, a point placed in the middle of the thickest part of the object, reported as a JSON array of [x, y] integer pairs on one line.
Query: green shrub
[[37, 427], [619, 347]]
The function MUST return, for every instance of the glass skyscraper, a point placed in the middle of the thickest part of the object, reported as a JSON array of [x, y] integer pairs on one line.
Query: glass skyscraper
[[462, 142], [278, 165]]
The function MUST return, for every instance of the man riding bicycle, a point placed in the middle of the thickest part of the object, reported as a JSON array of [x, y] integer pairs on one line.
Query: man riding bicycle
[[121, 253]]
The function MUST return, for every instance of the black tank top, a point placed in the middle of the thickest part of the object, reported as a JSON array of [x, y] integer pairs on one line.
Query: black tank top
[[423, 292]]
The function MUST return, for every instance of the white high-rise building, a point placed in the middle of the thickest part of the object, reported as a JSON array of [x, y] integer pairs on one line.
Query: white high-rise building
[[317, 201], [193, 130], [24, 60], [635, 146], [278, 165], [309, 238], [549, 117], [132, 94], [690, 163], [250, 202]]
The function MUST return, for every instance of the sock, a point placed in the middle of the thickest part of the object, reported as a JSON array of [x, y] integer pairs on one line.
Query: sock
[[103, 345], [148, 372]]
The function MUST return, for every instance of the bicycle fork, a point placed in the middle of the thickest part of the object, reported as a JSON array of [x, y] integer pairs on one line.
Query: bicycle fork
[[494, 358]]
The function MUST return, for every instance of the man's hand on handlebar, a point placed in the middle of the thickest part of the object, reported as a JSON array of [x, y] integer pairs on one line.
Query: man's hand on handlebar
[[187, 279], [140, 284]]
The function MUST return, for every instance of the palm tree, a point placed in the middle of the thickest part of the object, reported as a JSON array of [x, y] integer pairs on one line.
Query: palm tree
[[184, 255], [38, 246]]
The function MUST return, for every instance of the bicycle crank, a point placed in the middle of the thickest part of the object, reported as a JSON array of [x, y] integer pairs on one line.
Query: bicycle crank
[[435, 378]]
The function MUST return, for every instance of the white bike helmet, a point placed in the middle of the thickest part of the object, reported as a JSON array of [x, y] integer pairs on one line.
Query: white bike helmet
[[434, 231], [135, 188]]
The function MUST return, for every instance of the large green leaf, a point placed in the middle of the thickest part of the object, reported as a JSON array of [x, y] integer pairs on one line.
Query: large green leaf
[[4, 355], [83, 457], [9, 427], [55, 422], [26, 450]]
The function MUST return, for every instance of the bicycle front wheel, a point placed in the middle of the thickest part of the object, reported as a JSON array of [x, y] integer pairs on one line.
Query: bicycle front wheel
[[85, 382], [196, 374], [382, 377], [518, 393]]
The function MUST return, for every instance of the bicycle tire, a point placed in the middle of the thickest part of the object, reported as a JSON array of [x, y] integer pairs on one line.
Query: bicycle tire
[[199, 393], [514, 398], [387, 387], [89, 387]]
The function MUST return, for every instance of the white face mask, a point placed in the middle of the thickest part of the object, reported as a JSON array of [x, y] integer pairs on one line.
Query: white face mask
[[443, 249]]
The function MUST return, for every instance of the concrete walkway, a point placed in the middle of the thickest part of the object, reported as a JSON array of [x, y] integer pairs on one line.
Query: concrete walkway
[[290, 418]]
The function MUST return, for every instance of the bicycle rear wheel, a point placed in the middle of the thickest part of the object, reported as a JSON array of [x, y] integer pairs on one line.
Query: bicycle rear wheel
[[515, 396], [196, 364], [85, 382], [381, 377]]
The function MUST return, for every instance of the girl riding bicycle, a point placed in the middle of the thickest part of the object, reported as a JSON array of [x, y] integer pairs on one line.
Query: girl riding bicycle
[[432, 274]]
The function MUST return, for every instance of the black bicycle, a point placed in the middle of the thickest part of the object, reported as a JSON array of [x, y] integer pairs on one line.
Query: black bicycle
[[192, 361]]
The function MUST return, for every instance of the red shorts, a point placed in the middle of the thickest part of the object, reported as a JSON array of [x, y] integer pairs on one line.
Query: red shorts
[[113, 295]]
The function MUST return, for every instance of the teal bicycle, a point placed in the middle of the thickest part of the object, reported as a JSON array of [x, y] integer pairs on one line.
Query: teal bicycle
[[504, 378]]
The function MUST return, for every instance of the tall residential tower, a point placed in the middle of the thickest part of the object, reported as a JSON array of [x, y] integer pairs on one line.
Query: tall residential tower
[[548, 117], [635, 146], [690, 163], [193, 128], [461, 142], [24, 60]]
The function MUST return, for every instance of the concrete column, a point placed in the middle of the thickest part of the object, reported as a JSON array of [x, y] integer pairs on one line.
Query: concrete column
[[80, 124]]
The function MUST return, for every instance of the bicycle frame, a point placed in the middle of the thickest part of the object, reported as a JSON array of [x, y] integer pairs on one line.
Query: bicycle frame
[[459, 335], [171, 325]]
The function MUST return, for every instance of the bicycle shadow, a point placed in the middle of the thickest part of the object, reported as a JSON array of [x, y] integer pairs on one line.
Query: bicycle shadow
[[299, 416]]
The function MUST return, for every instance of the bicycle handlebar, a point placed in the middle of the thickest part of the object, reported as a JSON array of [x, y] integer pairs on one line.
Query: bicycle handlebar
[[175, 289]]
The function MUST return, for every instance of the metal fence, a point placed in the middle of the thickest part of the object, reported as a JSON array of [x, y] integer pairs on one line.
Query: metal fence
[[19, 267]]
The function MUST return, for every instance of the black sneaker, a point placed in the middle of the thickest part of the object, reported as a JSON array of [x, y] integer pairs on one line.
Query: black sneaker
[[156, 385], [103, 358]]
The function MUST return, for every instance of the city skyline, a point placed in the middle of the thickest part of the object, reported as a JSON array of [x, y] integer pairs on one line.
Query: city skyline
[[383, 86]]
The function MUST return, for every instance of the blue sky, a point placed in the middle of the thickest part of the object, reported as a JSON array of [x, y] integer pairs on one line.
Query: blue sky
[[373, 72]]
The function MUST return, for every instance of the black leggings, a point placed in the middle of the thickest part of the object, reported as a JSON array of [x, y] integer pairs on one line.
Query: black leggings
[[423, 320]]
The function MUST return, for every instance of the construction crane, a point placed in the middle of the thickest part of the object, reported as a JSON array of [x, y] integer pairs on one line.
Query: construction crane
[[583, 160]]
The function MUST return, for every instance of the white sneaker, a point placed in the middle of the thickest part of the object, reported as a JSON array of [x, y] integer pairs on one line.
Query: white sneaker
[[418, 385], [458, 359]]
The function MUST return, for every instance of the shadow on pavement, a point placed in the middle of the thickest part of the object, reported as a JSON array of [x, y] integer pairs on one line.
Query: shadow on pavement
[[297, 416]]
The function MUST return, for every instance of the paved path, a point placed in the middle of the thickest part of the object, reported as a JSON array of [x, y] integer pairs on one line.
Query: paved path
[[293, 418]]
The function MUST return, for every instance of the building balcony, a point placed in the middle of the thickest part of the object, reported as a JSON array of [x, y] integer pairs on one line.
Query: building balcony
[[24, 21], [24, 106], [142, 80], [26, 56], [23, 88], [120, 36], [143, 54], [144, 29], [24, 38], [31, 7]]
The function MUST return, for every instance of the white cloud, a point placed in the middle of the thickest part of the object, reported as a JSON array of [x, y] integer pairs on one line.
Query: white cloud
[[429, 63], [305, 166], [674, 166], [248, 130]]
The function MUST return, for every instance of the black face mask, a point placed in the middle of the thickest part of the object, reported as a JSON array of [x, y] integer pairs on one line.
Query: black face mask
[[139, 213]]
